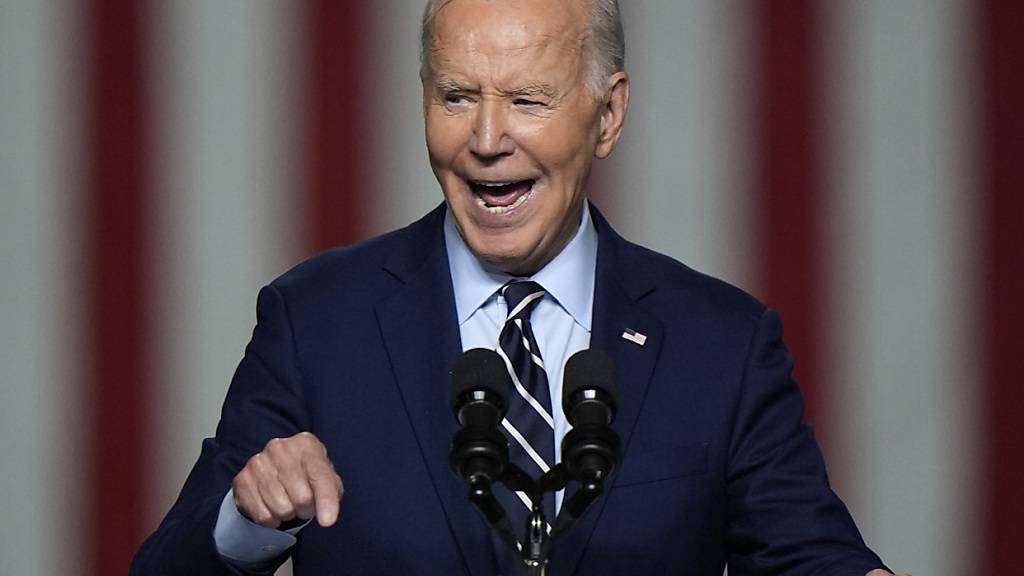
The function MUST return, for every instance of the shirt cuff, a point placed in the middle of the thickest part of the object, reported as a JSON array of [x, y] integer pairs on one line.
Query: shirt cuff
[[244, 542]]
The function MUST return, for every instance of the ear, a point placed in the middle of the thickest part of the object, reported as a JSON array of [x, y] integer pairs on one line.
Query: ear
[[613, 113]]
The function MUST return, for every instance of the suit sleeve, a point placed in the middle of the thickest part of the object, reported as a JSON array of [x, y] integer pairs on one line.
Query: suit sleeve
[[783, 517], [264, 401]]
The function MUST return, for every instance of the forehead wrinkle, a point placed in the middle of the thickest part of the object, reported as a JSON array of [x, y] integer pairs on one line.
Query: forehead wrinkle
[[544, 46], [504, 59], [568, 26], [436, 59]]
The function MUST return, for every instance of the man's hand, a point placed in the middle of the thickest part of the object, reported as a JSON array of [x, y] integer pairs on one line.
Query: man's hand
[[291, 478], [880, 572]]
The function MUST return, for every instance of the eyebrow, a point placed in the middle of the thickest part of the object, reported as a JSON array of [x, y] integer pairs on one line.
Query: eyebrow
[[448, 85], [534, 89]]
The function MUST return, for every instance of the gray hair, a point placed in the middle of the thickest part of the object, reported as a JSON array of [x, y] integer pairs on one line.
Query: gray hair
[[606, 44]]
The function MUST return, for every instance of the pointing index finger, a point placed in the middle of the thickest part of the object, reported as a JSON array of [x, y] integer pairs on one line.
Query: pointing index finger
[[326, 485]]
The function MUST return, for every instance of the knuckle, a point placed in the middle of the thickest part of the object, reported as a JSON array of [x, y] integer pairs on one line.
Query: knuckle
[[258, 465], [240, 486], [304, 500], [281, 507], [263, 517], [275, 445], [296, 489], [308, 441]]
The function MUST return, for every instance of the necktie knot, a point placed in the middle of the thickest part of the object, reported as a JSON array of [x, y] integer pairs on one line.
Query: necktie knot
[[521, 296]]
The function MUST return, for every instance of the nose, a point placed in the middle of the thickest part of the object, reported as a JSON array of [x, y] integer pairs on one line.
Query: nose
[[491, 138]]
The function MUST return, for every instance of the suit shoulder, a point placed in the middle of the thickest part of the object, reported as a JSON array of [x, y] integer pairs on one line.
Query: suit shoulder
[[361, 269], [668, 286], [339, 264], [693, 291]]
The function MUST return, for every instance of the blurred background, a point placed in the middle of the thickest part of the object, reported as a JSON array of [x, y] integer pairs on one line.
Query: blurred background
[[856, 164]]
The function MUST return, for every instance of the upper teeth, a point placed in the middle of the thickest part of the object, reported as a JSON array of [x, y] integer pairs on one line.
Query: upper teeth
[[494, 184]]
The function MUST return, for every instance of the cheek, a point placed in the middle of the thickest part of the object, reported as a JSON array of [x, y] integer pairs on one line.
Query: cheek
[[443, 139], [564, 146]]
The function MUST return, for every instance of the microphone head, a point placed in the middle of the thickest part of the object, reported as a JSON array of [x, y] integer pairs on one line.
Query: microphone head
[[589, 370], [480, 370]]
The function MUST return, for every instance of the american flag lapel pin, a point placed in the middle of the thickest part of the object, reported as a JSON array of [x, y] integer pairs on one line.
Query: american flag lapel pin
[[634, 337]]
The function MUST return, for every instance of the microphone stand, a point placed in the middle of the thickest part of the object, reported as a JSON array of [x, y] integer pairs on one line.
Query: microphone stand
[[539, 541], [591, 451]]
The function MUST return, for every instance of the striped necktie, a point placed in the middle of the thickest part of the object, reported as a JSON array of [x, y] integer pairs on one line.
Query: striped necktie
[[529, 424]]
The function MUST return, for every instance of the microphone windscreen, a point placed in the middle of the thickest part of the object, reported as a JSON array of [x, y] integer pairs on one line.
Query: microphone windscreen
[[480, 369], [589, 369]]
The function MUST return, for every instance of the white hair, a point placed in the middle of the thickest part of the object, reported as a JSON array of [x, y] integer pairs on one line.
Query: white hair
[[605, 46]]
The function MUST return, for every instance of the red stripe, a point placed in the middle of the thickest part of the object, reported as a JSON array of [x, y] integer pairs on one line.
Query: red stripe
[[605, 178], [1002, 174], [339, 137], [788, 188], [117, 207]]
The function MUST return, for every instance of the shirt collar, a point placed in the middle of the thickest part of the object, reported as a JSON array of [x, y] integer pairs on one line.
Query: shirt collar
[[568, 278]]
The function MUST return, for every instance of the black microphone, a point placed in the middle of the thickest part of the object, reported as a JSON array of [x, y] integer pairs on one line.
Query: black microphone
[[591, 451], [479, 398]]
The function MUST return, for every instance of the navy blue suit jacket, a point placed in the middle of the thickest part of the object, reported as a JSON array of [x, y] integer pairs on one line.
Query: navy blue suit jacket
[[356, 346]]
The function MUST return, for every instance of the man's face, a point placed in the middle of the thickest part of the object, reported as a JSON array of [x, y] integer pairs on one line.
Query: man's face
[[512, 125]]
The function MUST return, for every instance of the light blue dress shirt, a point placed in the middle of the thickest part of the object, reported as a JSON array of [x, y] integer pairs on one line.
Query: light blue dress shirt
[[561, 321], [561, 325]]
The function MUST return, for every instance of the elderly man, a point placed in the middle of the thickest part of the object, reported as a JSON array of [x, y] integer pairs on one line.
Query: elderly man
[[349, 365]]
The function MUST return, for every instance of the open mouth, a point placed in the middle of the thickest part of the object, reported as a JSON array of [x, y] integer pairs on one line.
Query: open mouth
[[501, 197]]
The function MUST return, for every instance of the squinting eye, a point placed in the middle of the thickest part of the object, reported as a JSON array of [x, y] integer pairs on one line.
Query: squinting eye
[[454, 99], [528, 103]]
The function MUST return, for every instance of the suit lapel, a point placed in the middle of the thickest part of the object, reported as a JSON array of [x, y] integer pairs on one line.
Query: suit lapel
[[420, 331], [617, 294]]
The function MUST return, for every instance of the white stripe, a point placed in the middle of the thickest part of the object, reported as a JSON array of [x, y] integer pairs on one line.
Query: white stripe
[[537, 459], [41, 372], [525, 302], [526, 344], [404, 188], [228, 140], [902, 279], [523, 391], [519, 324], [525, 499], [684, 158]]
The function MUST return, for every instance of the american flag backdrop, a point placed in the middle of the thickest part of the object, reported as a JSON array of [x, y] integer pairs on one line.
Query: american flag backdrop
[[857, 164]]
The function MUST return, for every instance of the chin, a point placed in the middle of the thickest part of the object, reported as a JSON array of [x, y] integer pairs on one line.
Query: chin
[[496, 254], [500, 260]]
